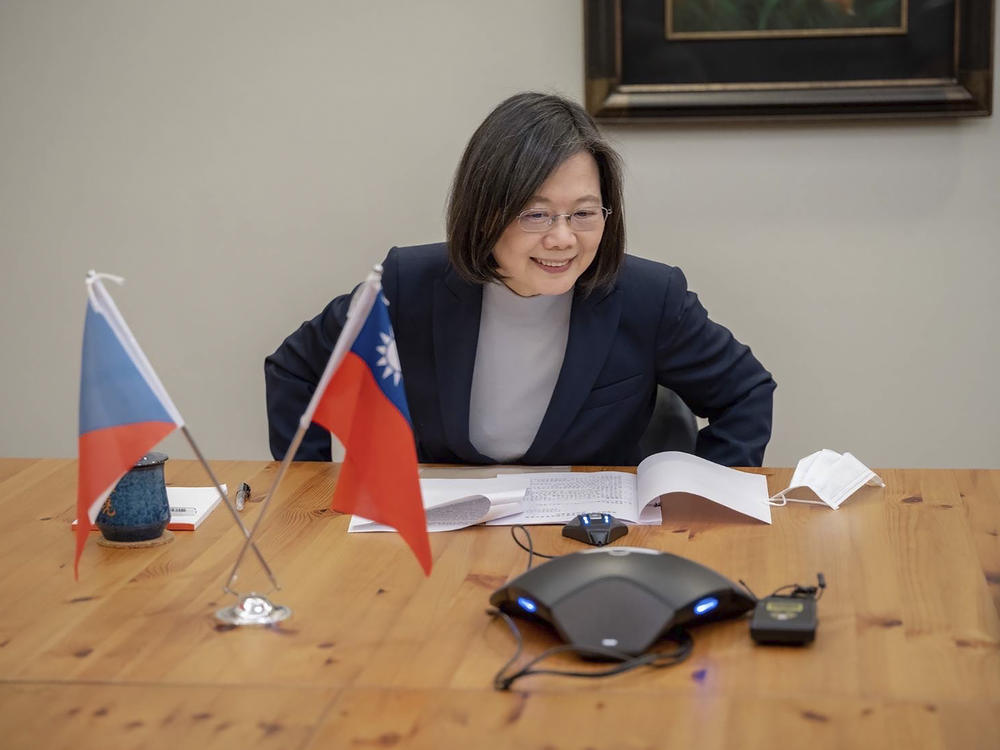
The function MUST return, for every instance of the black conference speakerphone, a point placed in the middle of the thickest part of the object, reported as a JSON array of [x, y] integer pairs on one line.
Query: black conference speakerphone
[[625, 598]]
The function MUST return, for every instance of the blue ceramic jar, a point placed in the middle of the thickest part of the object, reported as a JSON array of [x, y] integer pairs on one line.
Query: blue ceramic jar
[[137, 509]]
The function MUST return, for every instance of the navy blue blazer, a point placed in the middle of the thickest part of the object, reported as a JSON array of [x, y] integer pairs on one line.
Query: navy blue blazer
[[646, 329]]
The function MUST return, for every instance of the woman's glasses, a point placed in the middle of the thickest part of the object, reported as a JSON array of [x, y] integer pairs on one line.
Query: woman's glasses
[[581, 220]]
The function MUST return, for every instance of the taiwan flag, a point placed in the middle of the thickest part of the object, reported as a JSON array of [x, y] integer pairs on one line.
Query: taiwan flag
[[362, 402], [124, 408]]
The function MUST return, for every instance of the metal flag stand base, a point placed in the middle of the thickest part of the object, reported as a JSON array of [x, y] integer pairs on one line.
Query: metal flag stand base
[[253, 609]]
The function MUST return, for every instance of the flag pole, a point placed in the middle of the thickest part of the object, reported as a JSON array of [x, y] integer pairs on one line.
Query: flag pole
[[340, 349], [232, 509], [296, 441]]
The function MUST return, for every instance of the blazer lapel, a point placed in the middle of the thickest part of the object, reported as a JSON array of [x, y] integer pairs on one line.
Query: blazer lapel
[[457, 307], [592, 326]]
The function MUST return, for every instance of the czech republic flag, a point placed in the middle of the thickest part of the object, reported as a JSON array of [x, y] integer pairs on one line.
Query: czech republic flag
[[124, 408], [361, 400]]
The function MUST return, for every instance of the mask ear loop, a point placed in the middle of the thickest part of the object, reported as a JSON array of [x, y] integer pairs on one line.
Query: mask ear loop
[[780, 500]]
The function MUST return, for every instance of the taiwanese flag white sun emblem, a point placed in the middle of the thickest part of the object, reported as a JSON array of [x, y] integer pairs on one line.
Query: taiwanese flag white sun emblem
[[389, 361]]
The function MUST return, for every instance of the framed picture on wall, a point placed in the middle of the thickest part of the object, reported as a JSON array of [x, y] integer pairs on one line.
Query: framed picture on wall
[[667, 60]]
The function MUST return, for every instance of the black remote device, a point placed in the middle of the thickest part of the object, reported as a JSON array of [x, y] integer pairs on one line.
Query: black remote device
[[784, 620]]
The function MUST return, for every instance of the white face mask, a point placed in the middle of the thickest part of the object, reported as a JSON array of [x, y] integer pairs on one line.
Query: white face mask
[[832, 477]]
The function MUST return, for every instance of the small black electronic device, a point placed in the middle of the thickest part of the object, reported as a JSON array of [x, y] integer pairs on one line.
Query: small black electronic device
[[595, 528], [787, 619], [622, 598], [784, 620]]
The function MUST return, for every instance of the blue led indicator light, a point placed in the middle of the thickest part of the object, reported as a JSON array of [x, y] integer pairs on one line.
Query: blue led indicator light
[[607, 518], [706, 605], [526, 604], [586, 520]]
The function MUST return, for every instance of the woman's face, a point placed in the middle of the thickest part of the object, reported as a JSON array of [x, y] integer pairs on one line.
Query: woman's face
[[550, 262]]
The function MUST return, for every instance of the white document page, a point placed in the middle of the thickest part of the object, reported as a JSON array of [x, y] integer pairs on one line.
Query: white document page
[[559, 497], [457, 503], [663, 473]]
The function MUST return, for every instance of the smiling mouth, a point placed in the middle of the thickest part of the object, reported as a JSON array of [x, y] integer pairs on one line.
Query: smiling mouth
[[553, 265]]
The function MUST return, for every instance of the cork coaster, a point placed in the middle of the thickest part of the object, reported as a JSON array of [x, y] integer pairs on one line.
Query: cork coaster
[[166, 538]]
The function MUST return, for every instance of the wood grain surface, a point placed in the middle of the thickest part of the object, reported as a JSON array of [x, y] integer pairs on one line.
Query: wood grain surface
[[376, 655]]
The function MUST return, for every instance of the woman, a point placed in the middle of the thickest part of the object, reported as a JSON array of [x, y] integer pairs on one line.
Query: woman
[[530, 337]]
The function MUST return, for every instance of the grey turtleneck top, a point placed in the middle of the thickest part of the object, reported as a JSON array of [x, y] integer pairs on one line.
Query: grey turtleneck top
[[520, 351]]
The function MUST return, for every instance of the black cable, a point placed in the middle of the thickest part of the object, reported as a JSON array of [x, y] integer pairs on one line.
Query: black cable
[[749, 590], [498, 683], [657, 659], [530, 549], [794, 586], [802, 592]]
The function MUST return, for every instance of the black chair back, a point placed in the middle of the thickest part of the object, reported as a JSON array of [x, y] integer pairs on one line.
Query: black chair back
[[672, 426]]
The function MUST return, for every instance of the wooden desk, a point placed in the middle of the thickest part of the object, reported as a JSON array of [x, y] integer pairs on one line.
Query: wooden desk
[[378, 656]]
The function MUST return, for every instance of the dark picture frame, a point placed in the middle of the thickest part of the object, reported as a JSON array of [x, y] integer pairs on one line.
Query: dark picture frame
[[942, 66]]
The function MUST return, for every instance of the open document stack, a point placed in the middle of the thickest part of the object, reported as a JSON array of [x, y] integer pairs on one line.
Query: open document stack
[[556, 497]]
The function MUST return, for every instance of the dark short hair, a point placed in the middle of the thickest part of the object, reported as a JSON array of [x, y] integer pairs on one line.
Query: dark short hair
[[514, 150]]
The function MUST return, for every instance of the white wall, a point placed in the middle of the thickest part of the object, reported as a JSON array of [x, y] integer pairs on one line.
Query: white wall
[[242, 162]]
